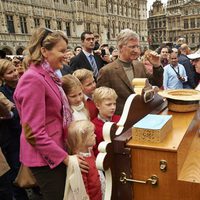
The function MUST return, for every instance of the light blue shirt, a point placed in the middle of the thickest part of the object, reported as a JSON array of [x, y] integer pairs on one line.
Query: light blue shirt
[[170, 79], [58, 72], [87, 55]]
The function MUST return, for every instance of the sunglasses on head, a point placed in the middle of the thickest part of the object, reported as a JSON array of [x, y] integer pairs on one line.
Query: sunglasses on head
[[46, 33]]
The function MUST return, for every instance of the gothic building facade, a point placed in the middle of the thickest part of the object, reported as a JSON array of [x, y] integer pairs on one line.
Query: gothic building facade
[[179, 18], [19, 18]]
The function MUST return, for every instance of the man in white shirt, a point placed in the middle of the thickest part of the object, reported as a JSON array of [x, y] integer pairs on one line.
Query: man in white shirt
[[174, 74]]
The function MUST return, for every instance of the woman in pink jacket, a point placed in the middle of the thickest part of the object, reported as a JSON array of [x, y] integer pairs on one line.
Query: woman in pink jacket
[[45, 114]]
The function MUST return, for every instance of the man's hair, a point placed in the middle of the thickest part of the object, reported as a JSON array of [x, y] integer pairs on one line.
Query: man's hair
[[183, 47], [126, 35], [84, 33], [83, 74], [103, 93], [76, 47]]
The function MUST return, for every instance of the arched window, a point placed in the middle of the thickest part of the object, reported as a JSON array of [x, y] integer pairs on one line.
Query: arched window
[[119, 26], [126, 9], [111, 6], [108, 34], [7, 50], [133, 27], [131, 9], [113, 27], [118, 9], [123, 25], [193, 38], [136, 28], [96, 4], [86, 2]]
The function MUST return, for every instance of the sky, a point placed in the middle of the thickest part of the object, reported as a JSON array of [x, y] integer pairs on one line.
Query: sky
[[150, 2]]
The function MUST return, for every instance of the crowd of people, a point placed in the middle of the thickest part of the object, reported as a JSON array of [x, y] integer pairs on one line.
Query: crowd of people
[[54, 103]]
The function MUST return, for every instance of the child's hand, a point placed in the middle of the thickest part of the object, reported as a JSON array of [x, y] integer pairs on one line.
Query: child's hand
[[83, 164]]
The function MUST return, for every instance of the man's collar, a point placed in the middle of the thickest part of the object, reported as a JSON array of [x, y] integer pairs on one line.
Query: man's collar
[[87, 53], [87, 97], [103, 119]]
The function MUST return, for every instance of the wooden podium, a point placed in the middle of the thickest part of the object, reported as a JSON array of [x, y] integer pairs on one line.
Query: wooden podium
[[169, 170]]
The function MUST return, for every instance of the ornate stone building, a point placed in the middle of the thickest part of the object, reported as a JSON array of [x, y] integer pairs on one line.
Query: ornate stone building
[[19, 18], [181, 18], [157, 24]]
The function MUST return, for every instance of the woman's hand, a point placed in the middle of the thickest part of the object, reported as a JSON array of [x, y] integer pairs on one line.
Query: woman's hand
[[83, 164]]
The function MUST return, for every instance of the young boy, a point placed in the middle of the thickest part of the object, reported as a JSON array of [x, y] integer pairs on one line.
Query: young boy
[[88, 85], [105, 101]]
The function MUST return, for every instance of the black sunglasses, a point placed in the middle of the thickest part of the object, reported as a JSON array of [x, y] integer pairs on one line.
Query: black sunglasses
[[47, 32]]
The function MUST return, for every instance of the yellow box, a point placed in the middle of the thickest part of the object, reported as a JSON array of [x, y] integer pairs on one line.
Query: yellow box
[[152, 128]]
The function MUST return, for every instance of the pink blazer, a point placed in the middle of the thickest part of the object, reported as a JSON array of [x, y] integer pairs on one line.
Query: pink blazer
[[38, 101]]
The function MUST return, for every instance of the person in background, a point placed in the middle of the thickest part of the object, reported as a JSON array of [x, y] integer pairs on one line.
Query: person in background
[[195, 59], [114, 54], [147, 64], [17, 61], [73, 90], [65, 69], [189, 68], [105, 54], [77, 50], [10, 128], [105, 101], [88, 85], [96, 41], [45, 113], [120, 73], [164, 56], [179, 42], [174, 74], [81, 139], [68, 56], [175, 50], [87, 58]]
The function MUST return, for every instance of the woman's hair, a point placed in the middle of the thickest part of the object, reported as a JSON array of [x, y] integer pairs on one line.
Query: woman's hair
[[124, 36], [83, 74], [4, 64], [69, 82], [42, 37], [103, 93], [77, 134]]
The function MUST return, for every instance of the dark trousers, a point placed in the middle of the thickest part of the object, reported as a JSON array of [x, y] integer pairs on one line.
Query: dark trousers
[[51, 181], [12, 157], [5, 188]]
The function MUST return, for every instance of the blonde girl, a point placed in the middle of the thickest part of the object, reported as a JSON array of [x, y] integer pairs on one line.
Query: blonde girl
[[73, 90]]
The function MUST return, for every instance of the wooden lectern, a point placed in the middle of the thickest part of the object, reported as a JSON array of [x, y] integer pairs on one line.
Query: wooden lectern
[[169, 170]]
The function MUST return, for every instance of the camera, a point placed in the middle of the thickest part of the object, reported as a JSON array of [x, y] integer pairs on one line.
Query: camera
[[103, 52], [181, 78]]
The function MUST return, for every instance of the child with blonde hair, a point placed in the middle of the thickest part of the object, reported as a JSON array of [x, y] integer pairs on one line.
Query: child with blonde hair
[[105, 101], [73, 90], [86, 78], [81, 139]]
